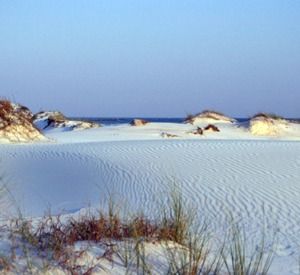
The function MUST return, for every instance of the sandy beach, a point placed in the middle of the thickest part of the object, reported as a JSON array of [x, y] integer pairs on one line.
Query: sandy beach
[[253, 179], [149, 137]]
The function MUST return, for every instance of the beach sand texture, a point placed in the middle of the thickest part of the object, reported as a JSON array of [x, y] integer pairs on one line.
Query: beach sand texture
[[254, 180]]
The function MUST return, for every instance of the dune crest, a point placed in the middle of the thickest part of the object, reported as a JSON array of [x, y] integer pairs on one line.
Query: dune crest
[[209, 117]]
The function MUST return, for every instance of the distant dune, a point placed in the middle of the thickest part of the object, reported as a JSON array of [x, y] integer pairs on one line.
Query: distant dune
[[54, 119], [16, 124], [264, 124], [209, 116]]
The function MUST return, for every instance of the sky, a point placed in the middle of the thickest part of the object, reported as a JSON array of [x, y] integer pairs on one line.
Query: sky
[[151, 58]]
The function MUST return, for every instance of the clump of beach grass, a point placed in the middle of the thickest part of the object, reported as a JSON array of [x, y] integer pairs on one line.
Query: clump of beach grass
[[238, 260], [268, 116], [189, 248]]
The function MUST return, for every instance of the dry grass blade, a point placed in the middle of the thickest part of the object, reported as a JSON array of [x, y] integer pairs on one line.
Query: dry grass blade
[[240, 260]]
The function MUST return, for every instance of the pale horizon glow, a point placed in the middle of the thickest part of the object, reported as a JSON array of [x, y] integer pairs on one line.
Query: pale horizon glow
[[151, 58]]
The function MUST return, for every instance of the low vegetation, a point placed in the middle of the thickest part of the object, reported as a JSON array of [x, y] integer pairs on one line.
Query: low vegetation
[[187, 248], [268, 115], [16, 123], [5, 110], [207, 113]]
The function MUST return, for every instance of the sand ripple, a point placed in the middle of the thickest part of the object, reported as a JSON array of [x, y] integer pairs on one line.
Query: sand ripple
[[253, 180]]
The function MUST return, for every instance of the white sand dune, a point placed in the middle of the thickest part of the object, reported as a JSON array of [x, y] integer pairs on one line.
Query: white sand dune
[[153, 131], [254, 180]]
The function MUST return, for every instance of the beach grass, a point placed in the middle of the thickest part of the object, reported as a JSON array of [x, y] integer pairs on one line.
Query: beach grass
[[268, 115], [187, 248]]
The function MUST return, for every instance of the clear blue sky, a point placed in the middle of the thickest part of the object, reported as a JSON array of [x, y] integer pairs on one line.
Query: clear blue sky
[[151, 57]]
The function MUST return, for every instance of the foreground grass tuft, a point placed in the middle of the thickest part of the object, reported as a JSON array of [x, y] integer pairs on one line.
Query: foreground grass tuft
[[239, 262], [188, 248]]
